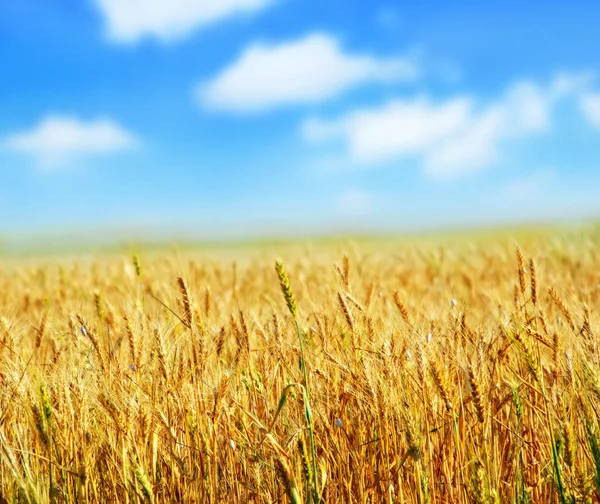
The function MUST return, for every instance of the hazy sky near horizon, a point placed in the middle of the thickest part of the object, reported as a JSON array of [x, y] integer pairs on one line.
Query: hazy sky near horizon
[[242, 117]]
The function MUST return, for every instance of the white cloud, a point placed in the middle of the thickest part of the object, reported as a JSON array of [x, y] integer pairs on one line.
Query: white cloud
[[131, 20], [467, 150], [355, 202], [569, 83], [308, 70], [590, 106], [398, 128], [58, 140], [449, 138], [522, 111]]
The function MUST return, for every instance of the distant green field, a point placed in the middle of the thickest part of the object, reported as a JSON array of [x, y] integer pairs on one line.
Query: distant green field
[[36, 245]]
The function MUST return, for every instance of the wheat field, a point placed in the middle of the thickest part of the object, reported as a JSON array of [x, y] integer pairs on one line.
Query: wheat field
[[457, 371]]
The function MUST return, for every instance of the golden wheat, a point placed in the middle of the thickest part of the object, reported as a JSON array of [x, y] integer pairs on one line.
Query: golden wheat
[[413, 373]]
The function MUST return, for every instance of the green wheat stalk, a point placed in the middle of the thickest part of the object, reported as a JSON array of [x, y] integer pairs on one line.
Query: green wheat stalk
[[290, 300]]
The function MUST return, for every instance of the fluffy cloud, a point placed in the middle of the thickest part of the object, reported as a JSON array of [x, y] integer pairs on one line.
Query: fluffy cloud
[[397, 128], [523, 111], [450, 138], [130, 20], [308, 70], [590, 106], [58, 140]]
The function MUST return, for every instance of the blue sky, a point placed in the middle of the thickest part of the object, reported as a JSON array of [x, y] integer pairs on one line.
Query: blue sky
[[265, 117]]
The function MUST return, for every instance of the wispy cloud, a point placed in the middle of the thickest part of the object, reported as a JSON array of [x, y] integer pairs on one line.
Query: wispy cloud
[[590, 106], [355, 202], [57, 140], [168, 20], [449, 138], [309, 70], [530, 185]]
